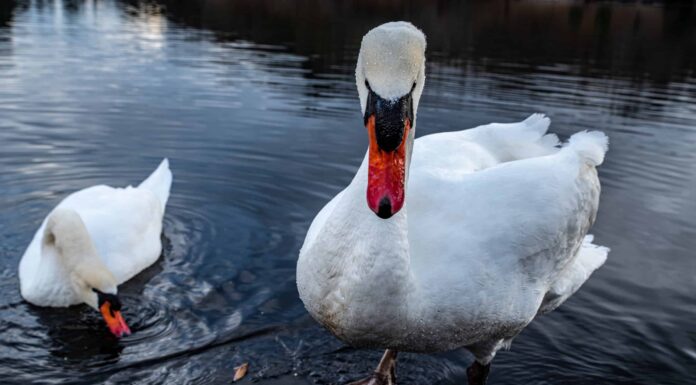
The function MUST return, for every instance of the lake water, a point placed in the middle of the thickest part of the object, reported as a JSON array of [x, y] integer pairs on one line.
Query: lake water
[[254, 104]]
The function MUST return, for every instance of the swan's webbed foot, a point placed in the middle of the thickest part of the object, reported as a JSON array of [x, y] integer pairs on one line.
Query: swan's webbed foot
[[477, 373], [385, 374]]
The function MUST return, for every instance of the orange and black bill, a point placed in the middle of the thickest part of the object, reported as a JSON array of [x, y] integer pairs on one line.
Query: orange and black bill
[[110, 308], [388, 124]]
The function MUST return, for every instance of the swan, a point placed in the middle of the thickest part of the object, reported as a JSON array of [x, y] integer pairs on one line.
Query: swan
[[94, 240], [493, 233]]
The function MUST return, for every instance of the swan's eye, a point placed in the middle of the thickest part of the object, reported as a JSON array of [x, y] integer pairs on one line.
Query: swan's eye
[[367, 84], [413, 87]]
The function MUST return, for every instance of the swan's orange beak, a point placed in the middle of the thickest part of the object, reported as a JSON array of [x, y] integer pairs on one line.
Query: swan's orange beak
[[386, 173], [114, 320], [389, 124]]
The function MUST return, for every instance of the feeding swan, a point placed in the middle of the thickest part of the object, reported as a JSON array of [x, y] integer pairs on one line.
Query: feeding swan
[[94, 240], [453, 240]]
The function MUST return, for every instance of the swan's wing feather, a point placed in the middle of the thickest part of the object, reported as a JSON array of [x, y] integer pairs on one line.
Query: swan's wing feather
[[515, 225], [511, 141], [485, 146]]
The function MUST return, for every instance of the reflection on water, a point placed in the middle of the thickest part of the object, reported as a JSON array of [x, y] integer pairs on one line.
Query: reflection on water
[[254, 104], [637, 41]]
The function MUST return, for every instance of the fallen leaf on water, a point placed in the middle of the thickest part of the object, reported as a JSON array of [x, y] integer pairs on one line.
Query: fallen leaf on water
[[240, 371]]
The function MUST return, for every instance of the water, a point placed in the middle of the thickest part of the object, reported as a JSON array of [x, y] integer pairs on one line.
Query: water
[[254, 104]]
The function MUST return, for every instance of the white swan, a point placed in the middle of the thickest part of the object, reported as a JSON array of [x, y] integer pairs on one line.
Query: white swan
[[94, 240], [493, 231]]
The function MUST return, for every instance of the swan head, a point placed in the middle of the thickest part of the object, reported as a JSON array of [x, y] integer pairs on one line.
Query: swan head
[[390, 75], [67, 235]]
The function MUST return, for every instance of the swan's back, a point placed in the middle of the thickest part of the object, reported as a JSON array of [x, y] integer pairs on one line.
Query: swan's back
[[125, 225]]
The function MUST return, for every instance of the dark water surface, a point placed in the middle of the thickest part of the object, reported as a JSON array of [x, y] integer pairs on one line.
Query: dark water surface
[[254, 104]]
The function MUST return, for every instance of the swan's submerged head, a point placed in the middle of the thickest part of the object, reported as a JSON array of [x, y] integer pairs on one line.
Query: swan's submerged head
[[390, 75], [67, 236]]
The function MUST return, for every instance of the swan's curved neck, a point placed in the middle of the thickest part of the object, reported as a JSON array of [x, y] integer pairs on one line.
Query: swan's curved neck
[[67, 240], [70, 240]]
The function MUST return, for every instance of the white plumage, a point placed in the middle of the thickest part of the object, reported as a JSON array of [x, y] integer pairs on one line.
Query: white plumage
[[493, 232], [97, 237]]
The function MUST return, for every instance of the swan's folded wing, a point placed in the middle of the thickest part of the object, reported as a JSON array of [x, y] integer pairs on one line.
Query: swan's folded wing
[[507, 232], [513, 141], [124, 223], [475, 149]]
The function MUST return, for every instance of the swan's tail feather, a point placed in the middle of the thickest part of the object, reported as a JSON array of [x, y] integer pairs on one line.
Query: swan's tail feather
[[512, 141], [590, 257], [159, 182], [589, 145]]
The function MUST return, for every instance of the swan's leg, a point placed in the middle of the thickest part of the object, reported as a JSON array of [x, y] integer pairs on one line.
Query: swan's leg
[[478, 373], [484, 352], [385, 374]]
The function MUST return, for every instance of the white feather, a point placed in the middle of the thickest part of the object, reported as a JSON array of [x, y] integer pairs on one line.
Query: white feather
[[493, 230], [590, 257], [121, 225]]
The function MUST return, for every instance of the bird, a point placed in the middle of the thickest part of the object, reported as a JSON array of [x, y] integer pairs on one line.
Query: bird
[[454, 240], [94, 240]]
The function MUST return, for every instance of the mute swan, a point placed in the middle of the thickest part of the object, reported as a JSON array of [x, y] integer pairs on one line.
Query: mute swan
[[94, 240], [493, 233]]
